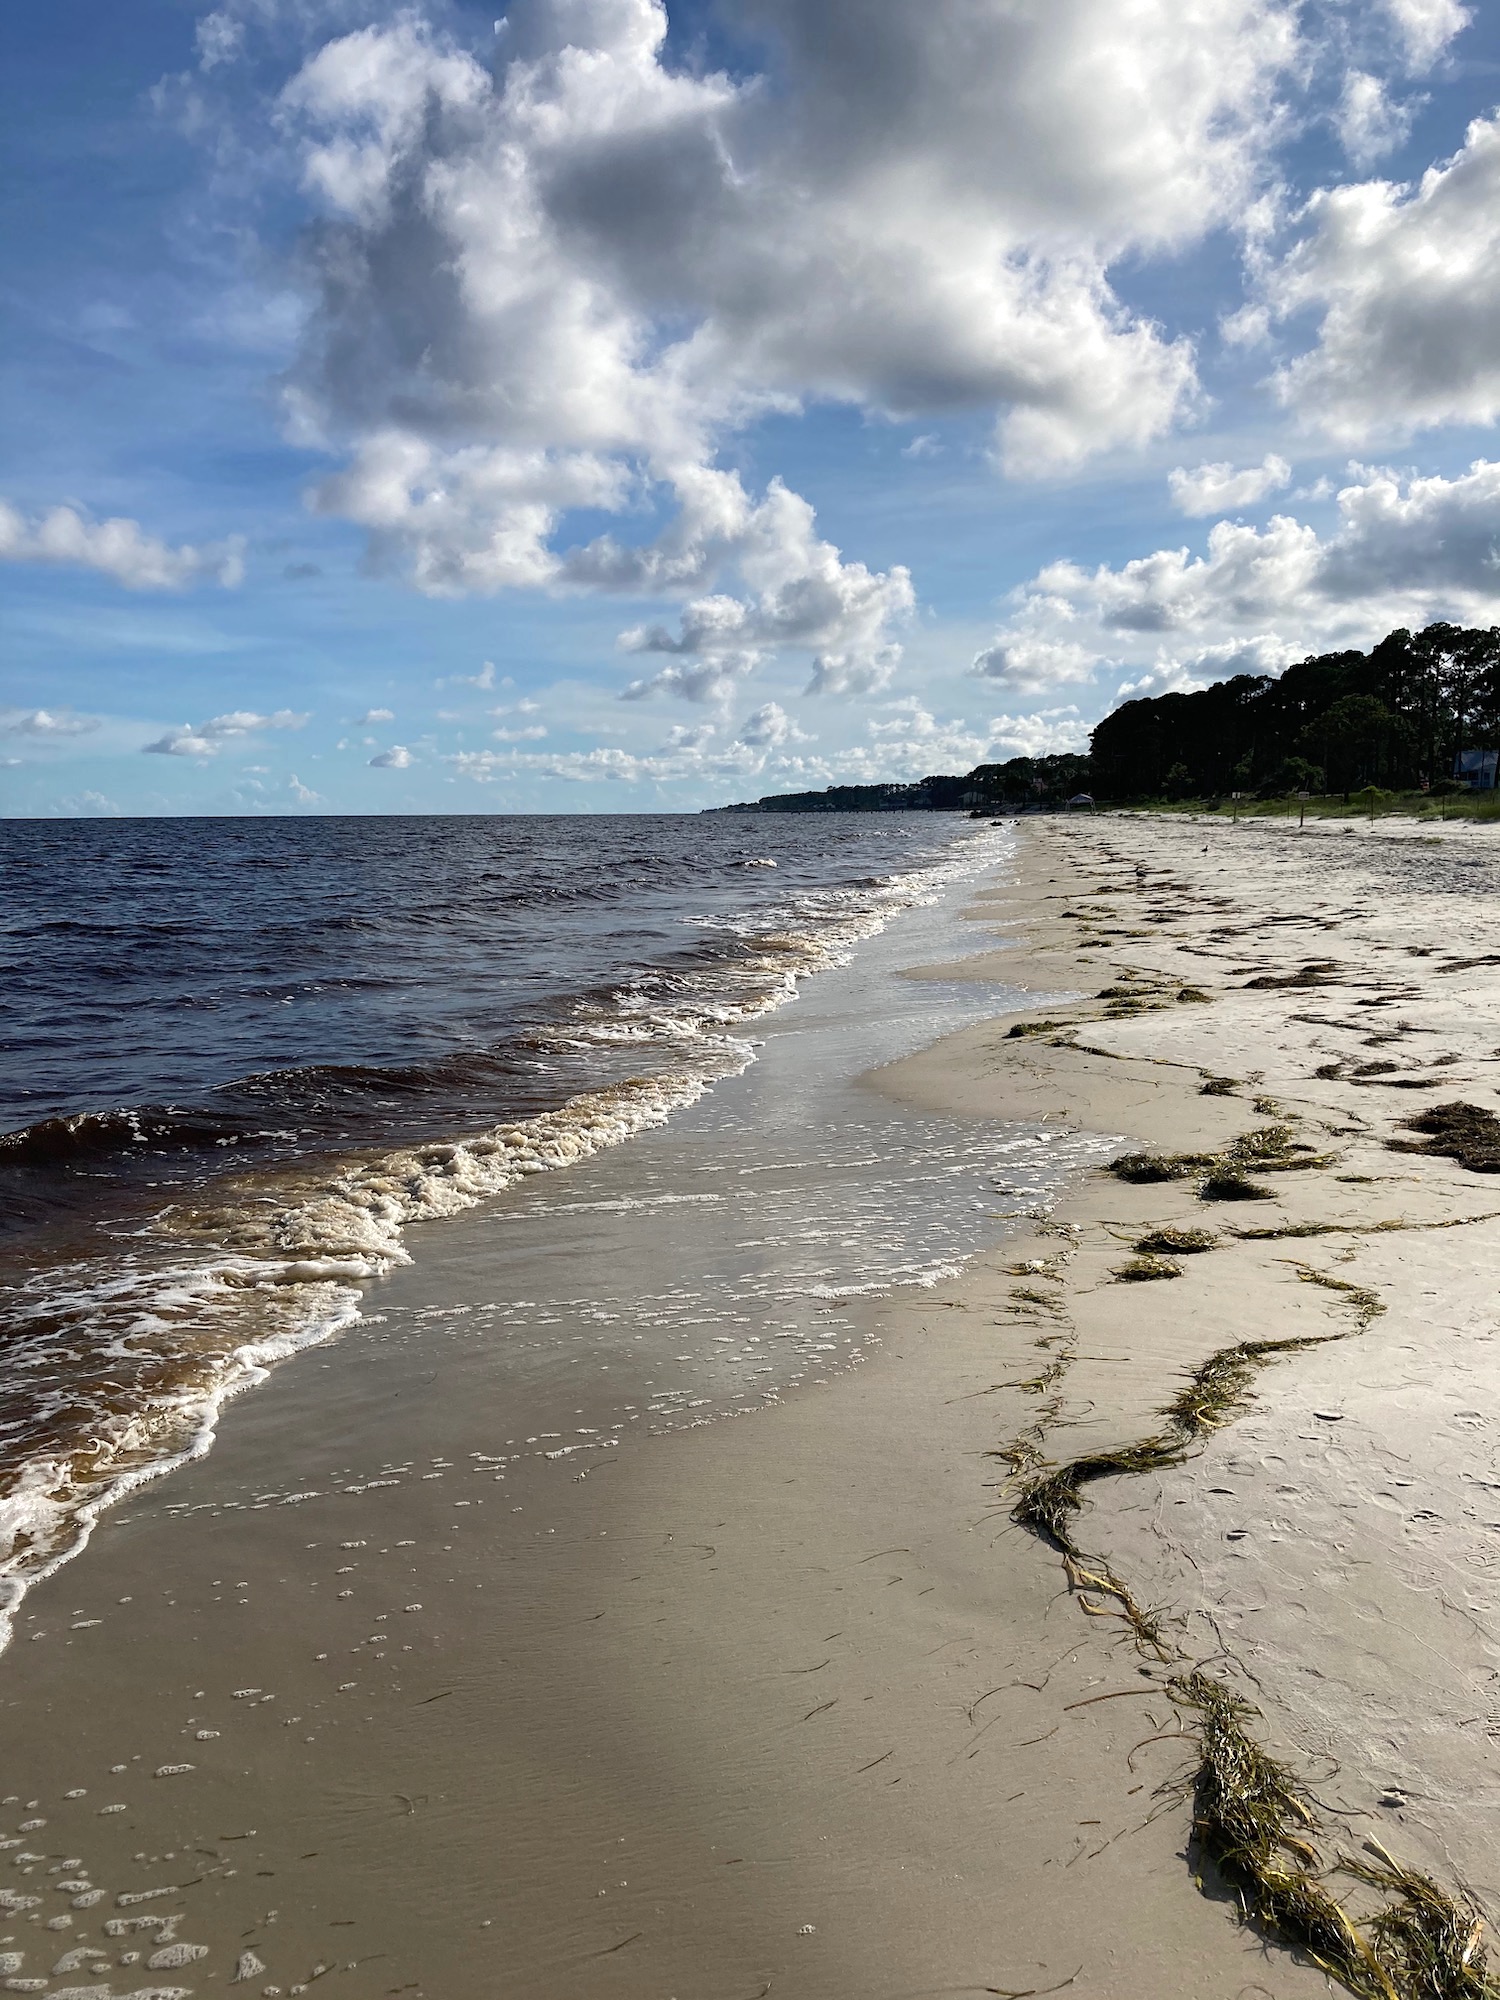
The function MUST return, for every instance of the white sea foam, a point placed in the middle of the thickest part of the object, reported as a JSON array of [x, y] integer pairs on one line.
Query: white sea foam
[[208, 1299]]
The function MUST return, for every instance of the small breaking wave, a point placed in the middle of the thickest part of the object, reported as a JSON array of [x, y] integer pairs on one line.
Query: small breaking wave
[[128, 1341]]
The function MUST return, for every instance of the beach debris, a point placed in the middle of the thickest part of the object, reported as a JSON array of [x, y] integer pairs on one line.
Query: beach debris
[[1317, 972], [173, 1770], [1140, 1270], [1219, 1086], [1172, 1241], [1251, 1821], [1457, 1131], [1232, 1185], [247, 1967], [1142, 1168]]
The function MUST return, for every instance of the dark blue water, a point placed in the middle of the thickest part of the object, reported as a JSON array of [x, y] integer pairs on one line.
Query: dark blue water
[[183, 983], [239, 1057]]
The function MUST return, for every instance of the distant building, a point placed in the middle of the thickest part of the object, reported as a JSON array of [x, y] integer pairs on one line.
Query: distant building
[[1476, 769]]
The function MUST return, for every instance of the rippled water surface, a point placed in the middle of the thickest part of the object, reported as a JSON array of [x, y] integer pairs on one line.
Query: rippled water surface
[[239, 1058]]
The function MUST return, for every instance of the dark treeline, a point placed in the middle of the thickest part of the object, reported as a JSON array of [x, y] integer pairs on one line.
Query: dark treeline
[[1396, 717], [1023, 781]]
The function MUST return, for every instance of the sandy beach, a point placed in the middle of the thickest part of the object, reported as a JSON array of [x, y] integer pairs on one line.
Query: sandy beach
[[789, 1703]]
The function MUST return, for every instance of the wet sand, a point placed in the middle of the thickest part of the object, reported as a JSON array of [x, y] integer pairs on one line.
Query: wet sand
[[785, 1703]]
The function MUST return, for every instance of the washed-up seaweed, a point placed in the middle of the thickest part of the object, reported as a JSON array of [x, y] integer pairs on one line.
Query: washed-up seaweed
[[1467, 1133]]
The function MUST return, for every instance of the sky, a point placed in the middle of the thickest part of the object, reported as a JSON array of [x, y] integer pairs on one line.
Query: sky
[[627, 406]]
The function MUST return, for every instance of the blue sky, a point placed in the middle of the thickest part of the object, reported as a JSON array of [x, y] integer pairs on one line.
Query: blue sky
[[630, 407]]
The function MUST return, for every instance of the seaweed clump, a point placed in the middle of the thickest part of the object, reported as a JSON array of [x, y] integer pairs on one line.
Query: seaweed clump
[[1457, 1131], [1023, 1028], [1317, 972], [1170, 1241], [1231, 1185], [1271, 1149], [1140, 1168], [1140, 1270], [1250, 1820], [1251, 1823], [1220, 1086], [1427, 1942]]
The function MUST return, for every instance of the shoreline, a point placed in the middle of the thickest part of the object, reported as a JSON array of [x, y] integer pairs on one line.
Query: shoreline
[[839, 1717]]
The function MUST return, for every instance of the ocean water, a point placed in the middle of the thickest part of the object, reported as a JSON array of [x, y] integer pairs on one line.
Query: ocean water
[[244, 1062]]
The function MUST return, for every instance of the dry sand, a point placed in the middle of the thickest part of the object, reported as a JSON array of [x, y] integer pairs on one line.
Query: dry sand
[[787, 1705]]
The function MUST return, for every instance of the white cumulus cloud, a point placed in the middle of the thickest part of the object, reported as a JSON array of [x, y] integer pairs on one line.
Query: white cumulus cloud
[[46, 722], [117, 548], [1220, 488], [1405, 283], [397, 758], [1370, 123], [1404, 551], [1426, 27], [1046, 732], [206, 739], [1026, 663], [561, 278]]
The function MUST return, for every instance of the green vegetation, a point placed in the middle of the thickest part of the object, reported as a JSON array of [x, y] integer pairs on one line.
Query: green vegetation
[[1377, 724], [1340, 735]]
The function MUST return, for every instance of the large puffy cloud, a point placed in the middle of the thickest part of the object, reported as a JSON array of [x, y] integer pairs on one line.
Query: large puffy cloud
[[559, 283], [1405, 281], [1404, 551], [117, 548], [596, 250]]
